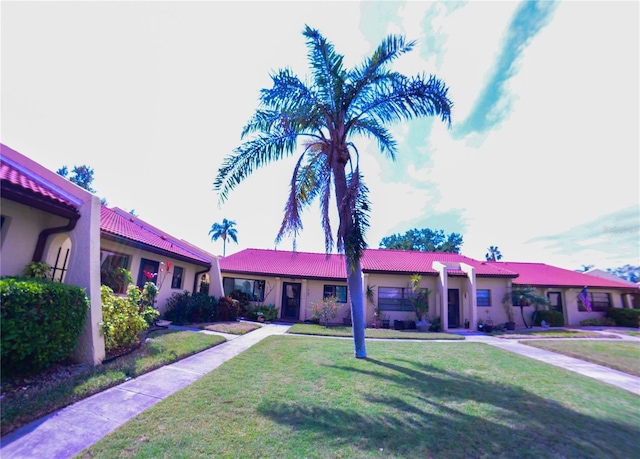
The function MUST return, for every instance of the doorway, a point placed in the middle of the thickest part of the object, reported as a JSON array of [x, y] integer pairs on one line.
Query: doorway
[[453, 302], [291, 300]]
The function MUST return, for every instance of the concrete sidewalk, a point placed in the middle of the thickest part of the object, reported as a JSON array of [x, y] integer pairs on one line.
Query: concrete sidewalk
[[592, 370], [65, 433]]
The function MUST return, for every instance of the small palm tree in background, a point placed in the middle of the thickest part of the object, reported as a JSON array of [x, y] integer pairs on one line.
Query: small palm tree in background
[[323, 114], [224, 230], [493, 254]]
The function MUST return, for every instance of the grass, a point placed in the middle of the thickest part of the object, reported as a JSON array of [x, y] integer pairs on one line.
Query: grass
[[320, 330], [562, 333], [233, 328], [622, 356], [623, 331], [29, 399], [308, 397]]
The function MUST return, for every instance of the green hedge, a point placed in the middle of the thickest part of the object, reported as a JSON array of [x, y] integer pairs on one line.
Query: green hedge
[[182, 308], [268, 311], [552, 318], [625, 317], [40, 324]]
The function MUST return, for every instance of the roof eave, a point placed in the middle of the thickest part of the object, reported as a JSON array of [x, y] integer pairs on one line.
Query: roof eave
[[149, 248], [27, 198]]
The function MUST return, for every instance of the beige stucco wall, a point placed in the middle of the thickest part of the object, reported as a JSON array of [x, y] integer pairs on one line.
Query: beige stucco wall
[[496, 312], [164, 291], [20, 232]]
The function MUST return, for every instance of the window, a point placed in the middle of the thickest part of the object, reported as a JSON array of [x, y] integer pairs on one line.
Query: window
[[253, 288], [148, 272], [176, 280], [395, 299], [483, 297], [599, 302], [111, 266], [339, 291]]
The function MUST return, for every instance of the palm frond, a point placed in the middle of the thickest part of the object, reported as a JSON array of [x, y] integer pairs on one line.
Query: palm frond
[[327, 69], [370, 127], [402, 98], [250, 156]]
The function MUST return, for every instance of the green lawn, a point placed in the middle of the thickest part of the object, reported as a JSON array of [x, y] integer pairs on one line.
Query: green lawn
[[320, 330], [620, 355], [297, 396], [28, 399], [559, 333]]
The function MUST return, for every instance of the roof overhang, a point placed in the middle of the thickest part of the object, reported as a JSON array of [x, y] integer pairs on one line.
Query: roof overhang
[[28, 198], [152, 249]]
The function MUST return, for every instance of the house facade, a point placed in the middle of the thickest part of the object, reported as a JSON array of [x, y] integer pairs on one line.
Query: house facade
[[47, 218], [463, 291]]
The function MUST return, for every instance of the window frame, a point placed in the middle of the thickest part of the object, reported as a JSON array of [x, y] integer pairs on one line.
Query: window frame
[[180, 277], [597, 305], [332, 290], [397, 302], [488, 297], [255, 297]]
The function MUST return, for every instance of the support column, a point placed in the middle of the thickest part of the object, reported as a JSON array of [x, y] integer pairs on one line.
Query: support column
[[443, 288], [471, 281]]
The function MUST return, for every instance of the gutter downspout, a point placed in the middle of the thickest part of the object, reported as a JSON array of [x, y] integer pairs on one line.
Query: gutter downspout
[[195, 278], [44, 235]]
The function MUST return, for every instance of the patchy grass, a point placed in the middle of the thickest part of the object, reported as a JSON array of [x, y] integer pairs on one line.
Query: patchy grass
[[25, 400], [561, 333], [620, 355], [310, 398], [340, 331], [623, 331], [233, 328]]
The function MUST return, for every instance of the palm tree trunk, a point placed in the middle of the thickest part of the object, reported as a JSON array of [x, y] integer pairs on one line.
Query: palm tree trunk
[[354, 281], [353, 269]]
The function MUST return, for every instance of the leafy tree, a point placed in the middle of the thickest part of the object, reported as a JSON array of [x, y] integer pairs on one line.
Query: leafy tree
[[325, 113], [224, 230], [81, 176], [628, 272], [423, 240], [493, 253]]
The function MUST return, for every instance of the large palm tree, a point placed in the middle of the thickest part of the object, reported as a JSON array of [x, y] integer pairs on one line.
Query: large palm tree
[[224, 230], [318, 119]]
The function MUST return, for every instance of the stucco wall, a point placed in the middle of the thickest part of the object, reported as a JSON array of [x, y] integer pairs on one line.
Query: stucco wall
[[20, 233], [165, 291]]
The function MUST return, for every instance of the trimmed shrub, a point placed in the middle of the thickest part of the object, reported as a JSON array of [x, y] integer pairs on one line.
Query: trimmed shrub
[[185, 308], [41, 322], [122, 319], [243, 301], [552, 318], [227, 310], [625, 317], [268, 311], [598, 322]]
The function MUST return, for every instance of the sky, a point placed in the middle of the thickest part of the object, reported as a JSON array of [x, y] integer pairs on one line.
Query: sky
[[541, 159]]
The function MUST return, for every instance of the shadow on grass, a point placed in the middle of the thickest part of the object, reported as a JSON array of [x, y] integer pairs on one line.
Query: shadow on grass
[[440, 413]]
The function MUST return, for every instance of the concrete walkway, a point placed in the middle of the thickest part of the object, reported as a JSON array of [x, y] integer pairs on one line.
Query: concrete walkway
[[65, 433], [592, 370]]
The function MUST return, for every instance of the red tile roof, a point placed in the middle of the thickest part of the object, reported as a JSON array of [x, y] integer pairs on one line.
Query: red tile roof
[[12, 176], [120, 224], [319, 265], [542, 274]]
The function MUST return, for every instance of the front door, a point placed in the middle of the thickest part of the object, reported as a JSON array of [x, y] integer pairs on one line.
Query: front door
[[291, 300], [454, 307], [555, 298]]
